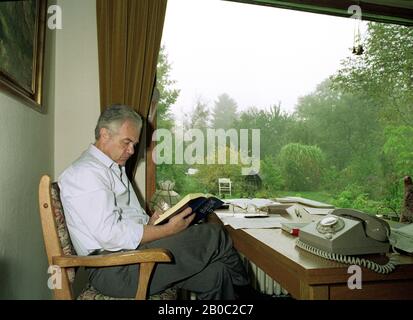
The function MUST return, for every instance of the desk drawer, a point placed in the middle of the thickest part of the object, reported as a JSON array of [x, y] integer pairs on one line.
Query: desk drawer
[[399, 290]]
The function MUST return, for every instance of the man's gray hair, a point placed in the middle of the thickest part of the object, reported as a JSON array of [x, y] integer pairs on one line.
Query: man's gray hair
[[114, 116]]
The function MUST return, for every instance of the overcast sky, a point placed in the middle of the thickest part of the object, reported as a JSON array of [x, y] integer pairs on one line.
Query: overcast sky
[[258, 55]]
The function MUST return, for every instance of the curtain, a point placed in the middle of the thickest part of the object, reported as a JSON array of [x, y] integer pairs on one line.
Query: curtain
[[129, 37], [150, 165]]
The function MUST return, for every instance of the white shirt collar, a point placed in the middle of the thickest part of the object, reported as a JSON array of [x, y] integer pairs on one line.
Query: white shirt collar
[[102, 157]]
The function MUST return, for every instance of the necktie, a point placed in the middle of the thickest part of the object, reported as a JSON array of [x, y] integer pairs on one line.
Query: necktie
[[121, 175]]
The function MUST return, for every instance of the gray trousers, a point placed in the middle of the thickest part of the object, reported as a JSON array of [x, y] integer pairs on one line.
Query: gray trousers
[[205, 262]]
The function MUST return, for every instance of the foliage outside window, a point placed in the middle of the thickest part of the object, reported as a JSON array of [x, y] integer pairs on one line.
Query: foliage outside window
[[349, 143]]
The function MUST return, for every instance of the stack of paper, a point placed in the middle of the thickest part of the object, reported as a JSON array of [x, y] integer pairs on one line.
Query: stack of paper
[[306, 202], [253, 223], [251, 203]]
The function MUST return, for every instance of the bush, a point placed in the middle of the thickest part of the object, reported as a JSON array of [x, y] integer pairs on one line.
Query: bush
[[353, 197], [392, 196], [191, 184], [272, 179], [399, 148], [173, 172], [209, 174], [301, 166]]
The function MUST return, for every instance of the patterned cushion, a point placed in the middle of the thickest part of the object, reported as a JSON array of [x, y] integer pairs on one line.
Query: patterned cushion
[[90, 293], [62, 231]]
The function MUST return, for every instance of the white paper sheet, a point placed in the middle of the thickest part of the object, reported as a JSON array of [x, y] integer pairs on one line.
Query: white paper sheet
[[239, 213], [256, 202], [253, 223]]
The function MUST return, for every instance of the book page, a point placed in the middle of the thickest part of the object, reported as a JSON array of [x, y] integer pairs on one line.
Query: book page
[[177, 207], [200, 203]]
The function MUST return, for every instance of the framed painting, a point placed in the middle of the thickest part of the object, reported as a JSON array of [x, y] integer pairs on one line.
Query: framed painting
[[22, 34]]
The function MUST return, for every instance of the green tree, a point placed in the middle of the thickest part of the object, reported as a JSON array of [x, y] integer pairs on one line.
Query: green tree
[[384, 73], [383, 76], [274, 126], [211, 170], [270, 173], [345, 126], [199, 117], [224, 113], [398, 149], [168, 93]]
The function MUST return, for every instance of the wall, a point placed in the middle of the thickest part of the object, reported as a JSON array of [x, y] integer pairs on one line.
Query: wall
[[33, 144], [77, 85], [26, 153], [77, 81]]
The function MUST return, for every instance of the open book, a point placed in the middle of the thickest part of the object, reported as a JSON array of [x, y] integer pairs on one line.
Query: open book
[[202, 204]]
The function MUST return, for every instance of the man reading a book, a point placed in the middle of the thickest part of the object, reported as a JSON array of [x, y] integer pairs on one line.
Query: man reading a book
[[103, 215]]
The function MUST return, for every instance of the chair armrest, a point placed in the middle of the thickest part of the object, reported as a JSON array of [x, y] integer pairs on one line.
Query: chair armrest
[[114, 259]]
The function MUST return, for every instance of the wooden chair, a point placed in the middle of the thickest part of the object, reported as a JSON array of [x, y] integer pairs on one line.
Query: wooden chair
[[224, 185], [61, 253]]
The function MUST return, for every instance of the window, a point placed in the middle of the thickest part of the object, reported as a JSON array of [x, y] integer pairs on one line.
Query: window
[[333, 126]]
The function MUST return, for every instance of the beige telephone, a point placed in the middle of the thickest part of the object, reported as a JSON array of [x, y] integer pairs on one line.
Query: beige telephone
[[348, 232]]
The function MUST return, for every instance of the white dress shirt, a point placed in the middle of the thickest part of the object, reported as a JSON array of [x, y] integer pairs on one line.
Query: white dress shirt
[[101, 208]]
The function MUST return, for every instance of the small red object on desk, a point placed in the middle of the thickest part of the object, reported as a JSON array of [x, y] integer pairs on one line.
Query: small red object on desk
[[295, 232]]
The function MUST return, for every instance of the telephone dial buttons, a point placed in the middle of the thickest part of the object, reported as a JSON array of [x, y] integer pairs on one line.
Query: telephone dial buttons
[[330, 225], [328, 221]]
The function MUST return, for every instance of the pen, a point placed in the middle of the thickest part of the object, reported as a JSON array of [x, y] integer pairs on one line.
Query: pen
[[248, 217]]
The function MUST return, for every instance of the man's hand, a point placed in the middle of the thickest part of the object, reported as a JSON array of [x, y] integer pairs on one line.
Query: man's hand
[[176, 224], [181, 221], [153, 218]]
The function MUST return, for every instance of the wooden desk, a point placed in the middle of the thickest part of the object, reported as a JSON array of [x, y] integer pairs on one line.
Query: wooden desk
[[307, 276]]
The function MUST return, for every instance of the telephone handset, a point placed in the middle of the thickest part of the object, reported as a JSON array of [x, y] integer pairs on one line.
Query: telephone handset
[[374, 227], [348, 232]]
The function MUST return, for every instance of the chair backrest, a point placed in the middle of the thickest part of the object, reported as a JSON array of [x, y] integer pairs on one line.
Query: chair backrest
[[224, 181], [224, 185], [56, 237]]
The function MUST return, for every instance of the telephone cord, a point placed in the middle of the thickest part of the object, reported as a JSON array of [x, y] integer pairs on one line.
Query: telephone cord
[[386, 268]]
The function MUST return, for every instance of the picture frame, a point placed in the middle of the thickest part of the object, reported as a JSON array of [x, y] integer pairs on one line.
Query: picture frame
[[22, 40]]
